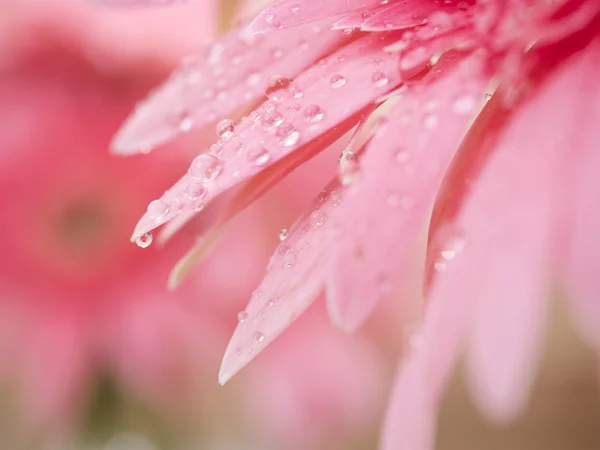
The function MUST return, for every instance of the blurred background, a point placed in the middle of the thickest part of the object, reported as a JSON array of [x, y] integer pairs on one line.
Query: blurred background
[[96, 353]]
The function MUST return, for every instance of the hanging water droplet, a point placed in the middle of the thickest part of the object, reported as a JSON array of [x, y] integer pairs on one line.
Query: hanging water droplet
[[242, 316], [258, 337], [144, 240], [225, 128], [318, 218], [380, 79], [313, 114], [206, 167], [349, 168], [258, 156], [289, 257], [271, 120], [337, 81], [283, 234], [157, 209], [288, 135]]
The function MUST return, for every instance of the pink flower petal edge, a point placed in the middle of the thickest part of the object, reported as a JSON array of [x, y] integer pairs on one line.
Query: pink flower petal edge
[[219, 81], [293, 281], [387, 207], [282, 126]]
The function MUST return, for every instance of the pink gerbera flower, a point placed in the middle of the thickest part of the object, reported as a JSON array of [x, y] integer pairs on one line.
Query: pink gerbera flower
[[488, 114]]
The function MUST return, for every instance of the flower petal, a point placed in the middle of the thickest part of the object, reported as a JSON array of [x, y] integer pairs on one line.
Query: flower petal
[[281, 127], [291, 13], [400, 177], [219, 81], [582, 265], [293, 281], [128, 3]]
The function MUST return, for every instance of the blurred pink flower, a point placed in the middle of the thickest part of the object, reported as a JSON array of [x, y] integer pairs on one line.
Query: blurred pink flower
[[491, 117], [75, 299]]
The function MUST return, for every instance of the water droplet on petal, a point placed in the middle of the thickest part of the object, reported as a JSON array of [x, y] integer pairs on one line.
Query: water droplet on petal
[[283, 234], [337, 81], [206, 167], [157, 209], [253, 79], [288, 135], [144, 240], [289, 257], [277, 87], [403, 156], [225, 128], [258, 337], [242, 316], [380, 79], [276, 53], [488, 97], [271, 120], [336, 198], [258, 156], [430, 122], [318, 218], [313, 113], [295, 8], [349, 168], [194, 191]]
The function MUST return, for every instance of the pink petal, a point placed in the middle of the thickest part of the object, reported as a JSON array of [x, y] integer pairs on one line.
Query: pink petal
[[291, 13], [279, 128], [582, 265], [405, 14], [400, 178], [219, 81], [293, 281], [128, 3]]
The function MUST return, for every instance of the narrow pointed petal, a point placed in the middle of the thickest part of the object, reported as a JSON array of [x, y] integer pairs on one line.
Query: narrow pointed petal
[[401, 173], [293, 281], [218, 82], [291, 13], [281, 127]]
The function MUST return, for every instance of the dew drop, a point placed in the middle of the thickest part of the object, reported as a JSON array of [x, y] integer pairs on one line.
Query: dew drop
[[225, 128], [295, 8], [313, 114], [336, 198], [379, 79], [194, 191], [258, 337], [144, 240], [348, 168], [288, 135], [271, 120], [290, 257], [402, 156], [185, 122], [206, 167], [259, 156], [318, 218], [276, 53], [253, 79], [337, 81], [277, 88], [488, 97], [283, 234], [157, 209], [242, 316]]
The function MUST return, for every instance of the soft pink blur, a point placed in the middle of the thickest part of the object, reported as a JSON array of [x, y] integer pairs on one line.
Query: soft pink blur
[[79, 301]]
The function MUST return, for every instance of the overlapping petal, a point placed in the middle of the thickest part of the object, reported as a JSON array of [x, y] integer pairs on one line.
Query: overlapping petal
[[292, 118], [400, 178], [293, 281]]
